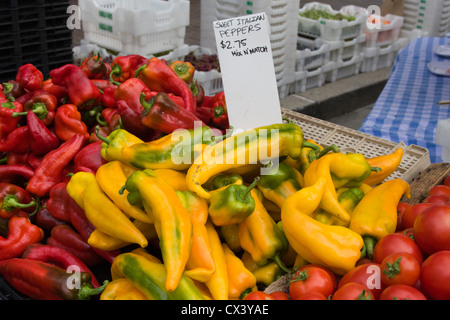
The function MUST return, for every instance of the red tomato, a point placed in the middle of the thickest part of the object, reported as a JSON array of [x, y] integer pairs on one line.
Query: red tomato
[[311, 278], [396, 242], [440, 189], [363, 261], [353, 291], [447, 181], [411, 213], [435, 275], [313, 296], [402, 292], [432, 229], [437, 199], [258, 295], [401, 207], [400, 267], [368, 275], [408, 232], [279, 295]]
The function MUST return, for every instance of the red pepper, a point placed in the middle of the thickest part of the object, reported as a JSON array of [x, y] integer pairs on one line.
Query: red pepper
[[59, 201], [42, 139], [60, 92], [198, 91], [81, 90], [107, 88], [164, 115], [124, 67], [112, 117], [68, 123], [44, 105], [127, 97], [29, 77], [11, 172], [94, 67], [17, 141], [44, 281], [89, 159], [184, 70], [13, 199], [65, 237], [57, 256], [158, 76], [21, 233], [12, 89], [2, 95], [33, 160], [17, 158], [219, 114], [45, 220], [8, 123], [48, 174]]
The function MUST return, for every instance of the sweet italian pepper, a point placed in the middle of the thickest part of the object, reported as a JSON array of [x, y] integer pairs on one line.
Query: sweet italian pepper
[[241, 281], [21, 233], [13, 199], [158, 76], [124, 67], [112, 145], [94, 67], [43, 104], [29, 77], [335, 247], [257, 145], [185, 70], [149, 277], [42, 140], [388, 164], [172, 221], [101, 211], [200, 264], [121, 289], [375, 216], [68, 122], [8, 123]]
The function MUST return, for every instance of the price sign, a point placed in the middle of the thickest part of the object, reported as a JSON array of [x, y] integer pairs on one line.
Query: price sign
[[248, 72]]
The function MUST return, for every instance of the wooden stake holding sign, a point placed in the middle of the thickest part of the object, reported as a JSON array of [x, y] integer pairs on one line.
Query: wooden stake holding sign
[[248, 72]]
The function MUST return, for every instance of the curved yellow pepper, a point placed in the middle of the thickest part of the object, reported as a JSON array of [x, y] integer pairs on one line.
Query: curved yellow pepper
[[335, 247], [388, 164], [121, 289], [101, 211], [218, 282]]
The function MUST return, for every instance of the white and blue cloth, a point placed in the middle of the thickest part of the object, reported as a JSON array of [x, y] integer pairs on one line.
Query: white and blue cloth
[[408, 108]]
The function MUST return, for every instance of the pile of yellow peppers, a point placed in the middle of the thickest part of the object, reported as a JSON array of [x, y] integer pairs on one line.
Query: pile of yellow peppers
[[214, 229]]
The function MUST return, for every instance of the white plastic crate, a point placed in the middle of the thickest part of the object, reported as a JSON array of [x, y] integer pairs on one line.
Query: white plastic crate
[[376, 58], [387, 33], [428, 16], [308, 59], [442, 134], [344, 69], [346, 50], [333, 30], [308, 79], [135, 26]]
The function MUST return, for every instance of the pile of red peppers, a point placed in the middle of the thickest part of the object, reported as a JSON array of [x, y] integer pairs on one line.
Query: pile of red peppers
[[49, 130]]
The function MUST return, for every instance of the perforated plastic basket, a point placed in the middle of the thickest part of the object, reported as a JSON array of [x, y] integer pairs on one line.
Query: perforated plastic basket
[[415, 158]]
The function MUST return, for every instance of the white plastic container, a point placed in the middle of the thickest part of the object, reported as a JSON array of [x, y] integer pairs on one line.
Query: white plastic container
[[308, 79], [135, 26], [442, 134], [307, 59], [375, 58], [387, 33], [344, 69], [332, 30]]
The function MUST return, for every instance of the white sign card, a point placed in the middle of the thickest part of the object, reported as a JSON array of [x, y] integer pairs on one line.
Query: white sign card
[[248, 72]]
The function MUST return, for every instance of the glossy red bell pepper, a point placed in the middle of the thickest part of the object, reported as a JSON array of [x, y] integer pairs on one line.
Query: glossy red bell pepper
[[12, 172], [21, 233], [29, 77], [60, 92], [43, 104], [81, 90], [68, 123], [124, 67], [8, 123], [17, 141], [89, 159], [94, 67], [12, 89], [48, 174], [107, 89], [59, 202], [158, 76], [219, 113], [13, 199], [45, 220]]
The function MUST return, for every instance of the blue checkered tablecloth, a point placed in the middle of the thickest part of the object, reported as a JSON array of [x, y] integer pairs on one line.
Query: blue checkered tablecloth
[[408, 109]]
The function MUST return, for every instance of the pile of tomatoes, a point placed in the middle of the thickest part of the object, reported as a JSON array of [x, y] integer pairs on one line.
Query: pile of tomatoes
[[411, 264]]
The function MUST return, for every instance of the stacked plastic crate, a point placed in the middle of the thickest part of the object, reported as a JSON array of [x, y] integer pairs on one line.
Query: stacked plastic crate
[[151, 27], [426, 18], [382, 42], [328, 49], [282, 16], [34, 32]]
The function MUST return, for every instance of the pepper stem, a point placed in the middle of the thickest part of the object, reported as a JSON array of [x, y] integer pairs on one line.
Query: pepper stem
[[98, 118], [307, 144], [87, 291], [102, 138], [147, 106], [375, 169], [369, 243], [333, 148], [139, 70], [115, 70], [280, 263], [39, 109], [10, 203], [4, 160], [251, 186]]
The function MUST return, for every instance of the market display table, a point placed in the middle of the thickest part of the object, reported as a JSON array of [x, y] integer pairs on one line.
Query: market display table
[[408, 108]]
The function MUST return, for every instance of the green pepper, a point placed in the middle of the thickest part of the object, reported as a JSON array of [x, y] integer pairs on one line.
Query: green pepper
[[223, 180], [231, 204], [111, 148], [280, 183]]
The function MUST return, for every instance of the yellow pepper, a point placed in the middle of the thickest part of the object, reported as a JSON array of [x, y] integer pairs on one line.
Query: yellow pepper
[[375, 216], [250, 147], [121, 289], [240, 280], [111, 148], [200, 264], [218, 283], [172, 221], [264, 275], [101, 211], [388, 164], [335, 247], [305, 159], [176, 179], [229, 234], [111, 177]]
